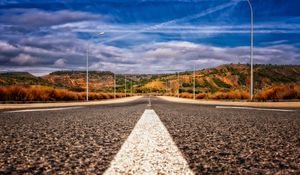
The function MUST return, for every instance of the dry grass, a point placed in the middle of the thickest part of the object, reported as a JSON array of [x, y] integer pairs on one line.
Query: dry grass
[[201, 96], [233, 94], [155, 85], [186, 95], [169, 94], [279, 92], [44, 93]]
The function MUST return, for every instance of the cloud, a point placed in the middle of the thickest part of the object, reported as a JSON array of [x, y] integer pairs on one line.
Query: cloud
[[183, 55], [139, 40], [275, 42], [39, 18], [125, 31], [7, 51], [60, 63], [24, 60], [5, 47], [155, 57]]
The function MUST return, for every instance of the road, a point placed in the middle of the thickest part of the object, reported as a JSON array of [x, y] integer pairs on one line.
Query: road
[[89, 139]]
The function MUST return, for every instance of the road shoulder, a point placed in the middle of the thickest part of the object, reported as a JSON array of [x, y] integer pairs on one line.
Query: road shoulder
[[61, 104], [231, 103]]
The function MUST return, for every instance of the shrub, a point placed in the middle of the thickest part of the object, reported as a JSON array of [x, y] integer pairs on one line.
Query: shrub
[[110, 95], [186, 95], [233, 94], [219, 95], [44, 93], [233, 70], [242, 79], [187, 84], [104, 96], [119, 95], [212, 88], [245, 95], [278, 92], [221, 83], [201, 96]]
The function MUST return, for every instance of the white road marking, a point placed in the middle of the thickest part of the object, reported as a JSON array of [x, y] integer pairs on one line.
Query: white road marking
[[149, 149], [252, 108], [44, 109], [149, 101]]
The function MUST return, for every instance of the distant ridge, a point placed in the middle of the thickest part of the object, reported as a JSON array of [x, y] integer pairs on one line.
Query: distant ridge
[[21, 78], [210, 80]]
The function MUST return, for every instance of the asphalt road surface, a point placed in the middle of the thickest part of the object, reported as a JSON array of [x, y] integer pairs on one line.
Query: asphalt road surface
[[211, 140], [76, 141]]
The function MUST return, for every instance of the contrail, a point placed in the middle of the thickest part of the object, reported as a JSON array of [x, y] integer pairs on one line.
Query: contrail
[[154, 27]]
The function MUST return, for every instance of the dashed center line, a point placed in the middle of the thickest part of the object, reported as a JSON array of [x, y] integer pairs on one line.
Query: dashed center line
[[252, 108], [149, 149], [149, 101], [44, 109]]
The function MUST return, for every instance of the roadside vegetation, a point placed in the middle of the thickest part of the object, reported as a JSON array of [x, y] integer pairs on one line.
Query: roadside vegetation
[[45, 93], [275, 93], [279, 92], [230, 81]]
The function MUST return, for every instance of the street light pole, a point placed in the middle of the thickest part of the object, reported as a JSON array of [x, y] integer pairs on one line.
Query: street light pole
[[194, 85], [114, 85], [125, 87], [87, 68], [167, 86], [131, 87], [178, 84], [251, 51], [87, 72]]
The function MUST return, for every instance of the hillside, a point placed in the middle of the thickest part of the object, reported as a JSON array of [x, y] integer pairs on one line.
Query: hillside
[[227, 77], [21, 78], [76, 80], [224, 78]]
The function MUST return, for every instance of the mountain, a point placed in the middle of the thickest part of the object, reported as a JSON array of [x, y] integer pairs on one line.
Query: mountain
[[226, 77], [76, 80], [21, 78], [211, 80]]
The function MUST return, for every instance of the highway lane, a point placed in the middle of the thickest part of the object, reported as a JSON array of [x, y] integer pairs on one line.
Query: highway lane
[[233, 141], [74, 141], [212, 140]]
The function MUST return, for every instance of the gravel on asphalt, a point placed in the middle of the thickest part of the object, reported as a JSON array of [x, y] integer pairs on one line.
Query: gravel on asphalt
[[232, 141], [78, 141]]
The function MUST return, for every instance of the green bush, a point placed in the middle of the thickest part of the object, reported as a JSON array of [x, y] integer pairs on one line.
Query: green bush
[[212, 88], [242, 79], [221, 83]]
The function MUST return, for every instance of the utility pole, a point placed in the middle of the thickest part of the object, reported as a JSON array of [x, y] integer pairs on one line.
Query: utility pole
[[131, 87], [87, 72], [251, 51], [87, 68], [167, 86], [178, 85], [194, 87], [114, 85], [125, 87]]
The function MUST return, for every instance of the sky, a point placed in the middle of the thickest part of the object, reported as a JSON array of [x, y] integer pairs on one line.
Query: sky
[[145, 36]]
